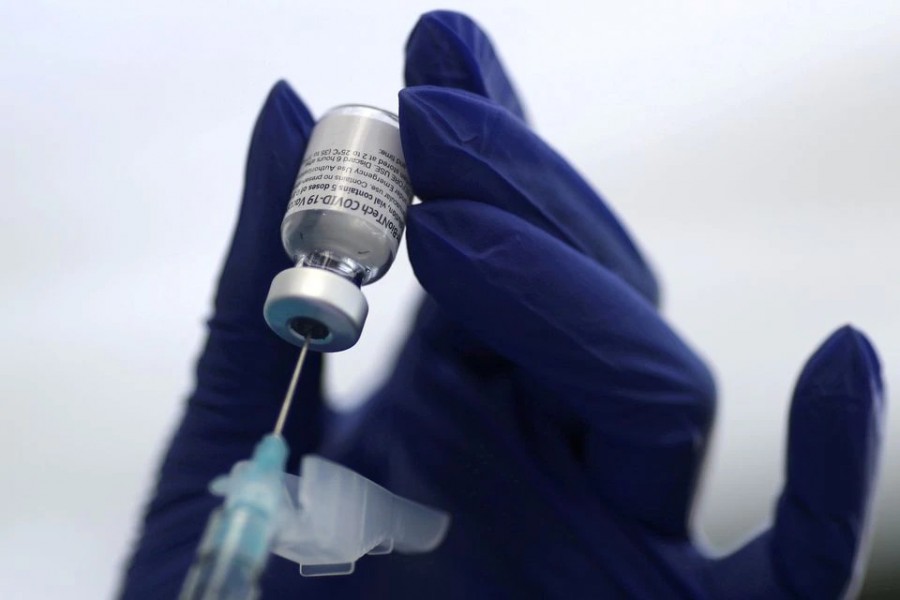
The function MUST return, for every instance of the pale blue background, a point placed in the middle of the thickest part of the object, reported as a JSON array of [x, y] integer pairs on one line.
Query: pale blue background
[[752, 148]]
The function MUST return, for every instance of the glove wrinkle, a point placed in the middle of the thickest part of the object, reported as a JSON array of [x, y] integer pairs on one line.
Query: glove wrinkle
[[459, 145], [459, 244]]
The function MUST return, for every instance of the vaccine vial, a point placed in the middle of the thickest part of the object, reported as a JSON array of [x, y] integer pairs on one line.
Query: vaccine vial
[[342, 227]]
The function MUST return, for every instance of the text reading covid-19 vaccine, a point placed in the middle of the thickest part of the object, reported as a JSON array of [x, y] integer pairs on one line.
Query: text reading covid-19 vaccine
[[342, 228]]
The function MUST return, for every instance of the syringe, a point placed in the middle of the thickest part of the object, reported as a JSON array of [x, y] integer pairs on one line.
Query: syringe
[[239, 535]]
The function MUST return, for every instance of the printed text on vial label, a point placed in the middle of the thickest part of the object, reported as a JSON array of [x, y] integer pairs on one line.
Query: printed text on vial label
[[371, 184]]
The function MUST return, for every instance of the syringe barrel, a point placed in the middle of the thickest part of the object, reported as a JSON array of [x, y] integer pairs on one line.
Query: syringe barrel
[[239, 535], [224, 569]]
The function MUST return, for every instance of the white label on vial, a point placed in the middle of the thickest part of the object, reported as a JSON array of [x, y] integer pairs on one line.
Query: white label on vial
[[354, 164]]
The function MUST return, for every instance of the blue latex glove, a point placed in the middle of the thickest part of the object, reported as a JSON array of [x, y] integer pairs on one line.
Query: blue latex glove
[[540, 398]]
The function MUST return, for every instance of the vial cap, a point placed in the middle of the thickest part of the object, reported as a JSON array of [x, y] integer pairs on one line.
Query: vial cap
[[309, 302]]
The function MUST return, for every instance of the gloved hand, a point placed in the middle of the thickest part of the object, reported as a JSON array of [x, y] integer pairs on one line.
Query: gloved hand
[[541, 398]]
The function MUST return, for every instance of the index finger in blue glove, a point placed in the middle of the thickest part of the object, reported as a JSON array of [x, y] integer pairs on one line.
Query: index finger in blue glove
[[834, 439], [459, 145], [448, 49], [587, 344]]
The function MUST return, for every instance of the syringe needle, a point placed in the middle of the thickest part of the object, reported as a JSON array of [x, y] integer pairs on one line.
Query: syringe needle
[[286, 405]]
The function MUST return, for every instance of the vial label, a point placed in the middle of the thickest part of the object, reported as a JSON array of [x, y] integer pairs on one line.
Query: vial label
[[354, 164]]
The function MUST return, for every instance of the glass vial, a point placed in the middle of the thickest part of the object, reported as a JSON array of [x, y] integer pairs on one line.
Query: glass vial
[[342, 227]]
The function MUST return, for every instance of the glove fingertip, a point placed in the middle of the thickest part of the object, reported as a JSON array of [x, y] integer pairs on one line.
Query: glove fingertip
[[449, 49], [283, 114], [276, 147], [845, 365], [440, 51]]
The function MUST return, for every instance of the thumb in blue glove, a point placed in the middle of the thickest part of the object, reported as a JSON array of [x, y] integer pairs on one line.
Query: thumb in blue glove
[[243, 368]]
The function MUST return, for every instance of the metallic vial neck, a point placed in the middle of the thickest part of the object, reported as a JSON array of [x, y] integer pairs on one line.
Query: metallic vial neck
[[347, 268]]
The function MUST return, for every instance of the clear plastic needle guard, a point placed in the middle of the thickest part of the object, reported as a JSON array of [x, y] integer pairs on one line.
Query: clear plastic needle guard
[[239, 536], [324, 521]]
